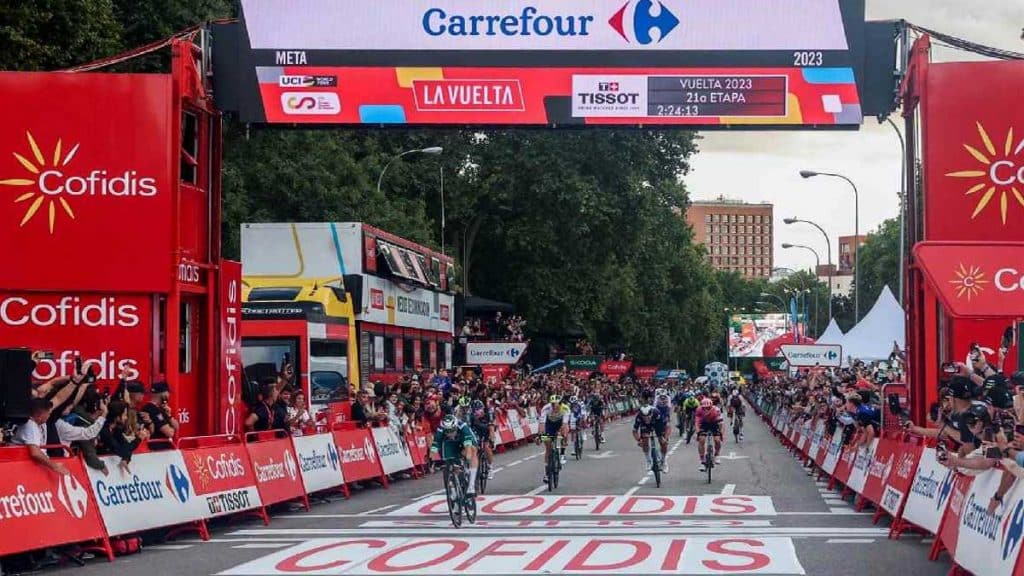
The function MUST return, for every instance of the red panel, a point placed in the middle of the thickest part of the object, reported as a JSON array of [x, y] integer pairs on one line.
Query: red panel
[[277, 470], [358, 452], [95, 152], [56, 501], [369, 254], [973, 127], [228, 388], [976, 281]]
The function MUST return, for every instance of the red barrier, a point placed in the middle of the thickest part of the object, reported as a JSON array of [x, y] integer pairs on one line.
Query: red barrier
[[277, 472], [949, 527], [897, 486], [358, 452], [845, 465], [222, 475], [505, 430], [41, 509], [878, 471]]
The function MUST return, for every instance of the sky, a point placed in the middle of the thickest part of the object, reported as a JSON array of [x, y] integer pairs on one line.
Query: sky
[[764, 166]]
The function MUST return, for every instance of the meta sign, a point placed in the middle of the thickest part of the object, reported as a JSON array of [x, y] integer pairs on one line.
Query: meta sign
[[976, 281], [544, 62]]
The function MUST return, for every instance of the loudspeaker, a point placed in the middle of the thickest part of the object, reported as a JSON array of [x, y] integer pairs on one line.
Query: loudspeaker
[[16, 367]]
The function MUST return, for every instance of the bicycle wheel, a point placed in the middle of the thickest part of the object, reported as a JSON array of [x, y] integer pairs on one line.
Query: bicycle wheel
[[452, 493], [468, 504], [655, 463], [578, 445], [482, 473], [552, 458], [709, 459], [558, 469]]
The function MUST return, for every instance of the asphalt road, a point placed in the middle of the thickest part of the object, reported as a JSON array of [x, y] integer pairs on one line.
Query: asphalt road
[[762, 514]]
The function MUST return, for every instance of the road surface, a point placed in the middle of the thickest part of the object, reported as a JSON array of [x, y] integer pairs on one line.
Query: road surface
[[762, 514]]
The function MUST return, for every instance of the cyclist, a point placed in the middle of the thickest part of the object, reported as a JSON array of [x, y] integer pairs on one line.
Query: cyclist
[[710, 421], [462, 411], [664, 408], [595, 405], [577, 415], [649, 421], [736, 407], [556, 424], [453, 438], [482, 426], [690, 406]]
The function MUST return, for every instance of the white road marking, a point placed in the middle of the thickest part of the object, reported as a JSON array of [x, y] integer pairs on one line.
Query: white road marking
[[644, 480], [169, 547], [849, 541], [754, 531], [834, 511], [927, 540], [849, 511], [632, 491], [381, 509], [729, 490], [537, 490], [261, 545], [420, 497], [514, 463]]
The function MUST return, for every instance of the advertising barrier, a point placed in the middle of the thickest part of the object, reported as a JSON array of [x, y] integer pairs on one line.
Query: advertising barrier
[[154, 491], [319, 462], [515, 425], [222, 476], [277, 472], [861, 462], [879, 468], [358, 454], [391, 449], [897, 485], [832, 453], [34, 500], [988, 543], [929, 493]]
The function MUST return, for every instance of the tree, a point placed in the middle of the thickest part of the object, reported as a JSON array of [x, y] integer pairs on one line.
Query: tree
[[879, 262], [55, 34]]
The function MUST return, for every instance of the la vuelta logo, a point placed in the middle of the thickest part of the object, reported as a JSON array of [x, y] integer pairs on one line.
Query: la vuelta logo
[[999, 174], [53, 183]]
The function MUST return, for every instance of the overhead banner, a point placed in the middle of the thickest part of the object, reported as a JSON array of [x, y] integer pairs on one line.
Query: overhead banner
[[824, 355], [973, 129], [546, 62], [976, 281], [583, 363], [494, 352], [615, 367], [645, 371]]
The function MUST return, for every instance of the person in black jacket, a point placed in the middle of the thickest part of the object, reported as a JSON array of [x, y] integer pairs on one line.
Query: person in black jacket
[[115, 436]]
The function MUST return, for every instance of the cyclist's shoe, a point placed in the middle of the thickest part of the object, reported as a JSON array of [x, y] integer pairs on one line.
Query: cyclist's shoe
[[741, 436], [490, 475], [648, 463], [702, 467], [664, 468], [563, 460], [545, 481], [718, 459], [471, 494]]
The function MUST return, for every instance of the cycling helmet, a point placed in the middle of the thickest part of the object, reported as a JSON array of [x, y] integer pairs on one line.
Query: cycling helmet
[[477, 405], [705, 403], [464, 401], [645, 411], [574, 400], [554, 399], [449, 424], [663, 399]]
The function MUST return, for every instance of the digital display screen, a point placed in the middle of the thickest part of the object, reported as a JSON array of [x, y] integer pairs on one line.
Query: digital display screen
[[545, 62]]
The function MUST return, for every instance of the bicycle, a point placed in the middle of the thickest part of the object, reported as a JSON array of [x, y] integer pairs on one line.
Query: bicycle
[[737, 427], [654, 445], [597, 432], [709, 452], [554, 463], [690, 423], [484, 471], [456, 481], [577, 442], [681, 421]]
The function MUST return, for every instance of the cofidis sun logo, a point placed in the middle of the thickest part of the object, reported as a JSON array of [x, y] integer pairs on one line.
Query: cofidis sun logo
[[1000, 174], [52, 183], [969, 282]]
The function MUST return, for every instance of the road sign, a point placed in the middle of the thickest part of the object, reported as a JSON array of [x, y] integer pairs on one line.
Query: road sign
[[825, 355]]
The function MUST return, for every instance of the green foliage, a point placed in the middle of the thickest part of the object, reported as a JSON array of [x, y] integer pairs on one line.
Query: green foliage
[[54, 34], [879, 263]]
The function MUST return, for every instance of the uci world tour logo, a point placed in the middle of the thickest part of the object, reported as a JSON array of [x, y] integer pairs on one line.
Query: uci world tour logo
[[999, 174], [47, 176], [969, 282], [637, 20]]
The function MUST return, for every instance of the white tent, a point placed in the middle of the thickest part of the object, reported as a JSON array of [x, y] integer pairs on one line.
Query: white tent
[[872, 337], [832, 335]]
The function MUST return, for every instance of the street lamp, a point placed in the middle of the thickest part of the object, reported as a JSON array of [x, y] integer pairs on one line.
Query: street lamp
[[817, 259], [856, 236], [431, 151], [828, 246]]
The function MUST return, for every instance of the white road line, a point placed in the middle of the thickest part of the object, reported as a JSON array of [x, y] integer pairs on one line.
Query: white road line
[[381, 509], [644, 480], [261, 545], [927, 540], [834, 511], [537, 490], [820, 531], [514, 463], [631, 491], [169, 547], [849, 541], [847, 511], [420, 497], [729, 490]]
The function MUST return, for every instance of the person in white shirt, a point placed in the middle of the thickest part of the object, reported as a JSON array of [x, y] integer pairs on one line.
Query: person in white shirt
[[33, 434]]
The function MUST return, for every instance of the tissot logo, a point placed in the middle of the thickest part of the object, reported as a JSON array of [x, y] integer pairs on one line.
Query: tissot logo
[[56, 183], [998, 174]]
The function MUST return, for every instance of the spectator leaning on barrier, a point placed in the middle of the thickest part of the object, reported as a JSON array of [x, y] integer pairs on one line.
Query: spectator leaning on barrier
[[33, 434], [88, 414], [261, 417]]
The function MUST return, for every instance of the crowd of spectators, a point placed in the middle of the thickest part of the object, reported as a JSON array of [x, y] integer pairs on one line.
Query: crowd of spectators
[[975, 425], [73, 412], [508, 328]]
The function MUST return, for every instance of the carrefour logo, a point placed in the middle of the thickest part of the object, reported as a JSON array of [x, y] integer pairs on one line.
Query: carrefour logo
[[637, 21], [644, 22], [1013, 530], [54, 186], [178, 484]]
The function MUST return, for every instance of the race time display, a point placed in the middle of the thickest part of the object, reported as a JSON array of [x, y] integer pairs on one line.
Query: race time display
[[783, 63]]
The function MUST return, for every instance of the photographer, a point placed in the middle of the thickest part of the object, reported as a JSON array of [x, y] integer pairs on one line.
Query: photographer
[[88, 417], [961, 391], [117, 438]]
